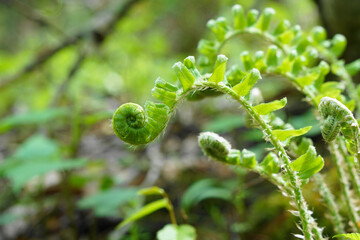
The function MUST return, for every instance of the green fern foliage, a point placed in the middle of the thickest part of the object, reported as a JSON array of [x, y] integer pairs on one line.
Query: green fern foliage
[[351, 236]]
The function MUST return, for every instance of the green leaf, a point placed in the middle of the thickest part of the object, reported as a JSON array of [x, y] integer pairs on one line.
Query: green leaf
[[282, 135], [247, 82], [184, 75], [29, 118], [351, 236], [106, 203], [21, 173], [220, 67], [308, 164], [173, 232], [151, 191], [266, 108], [144, 211], [202, 190], [35, 147]]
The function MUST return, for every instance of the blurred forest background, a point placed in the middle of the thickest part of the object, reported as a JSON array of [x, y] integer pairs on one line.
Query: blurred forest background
[[66, 65]]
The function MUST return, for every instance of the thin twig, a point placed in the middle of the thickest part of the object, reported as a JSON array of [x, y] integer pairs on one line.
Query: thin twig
[[33, 15], [64, 85], [99, 33]]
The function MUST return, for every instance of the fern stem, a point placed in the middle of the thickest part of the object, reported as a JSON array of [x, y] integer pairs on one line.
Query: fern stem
[[254, 31], [338, 158], [351, 168], [304, 212], [335, 216]]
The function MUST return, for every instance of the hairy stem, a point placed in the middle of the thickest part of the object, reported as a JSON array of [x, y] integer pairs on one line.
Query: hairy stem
[[304, 213], [338, 158], [330, 203], [351, 168]]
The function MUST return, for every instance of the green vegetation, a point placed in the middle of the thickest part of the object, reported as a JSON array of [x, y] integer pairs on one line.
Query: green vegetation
[[283, 97], [294, 55]]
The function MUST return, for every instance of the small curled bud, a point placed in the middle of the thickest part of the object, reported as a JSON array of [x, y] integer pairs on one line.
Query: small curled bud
[[137, 126], [219, 149], [214, 146], [337, 117]]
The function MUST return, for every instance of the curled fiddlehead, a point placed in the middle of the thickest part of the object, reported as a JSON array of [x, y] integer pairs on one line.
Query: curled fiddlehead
[[337, 117], [219, 149], [137, 126], [214, 146]]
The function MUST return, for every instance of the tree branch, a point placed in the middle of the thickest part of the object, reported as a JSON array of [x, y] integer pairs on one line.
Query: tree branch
[[99, 33]]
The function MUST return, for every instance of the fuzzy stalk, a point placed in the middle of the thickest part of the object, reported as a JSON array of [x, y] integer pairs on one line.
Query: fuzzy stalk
[[338, 158], [330, 203], [351, 169], [301, 205]]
